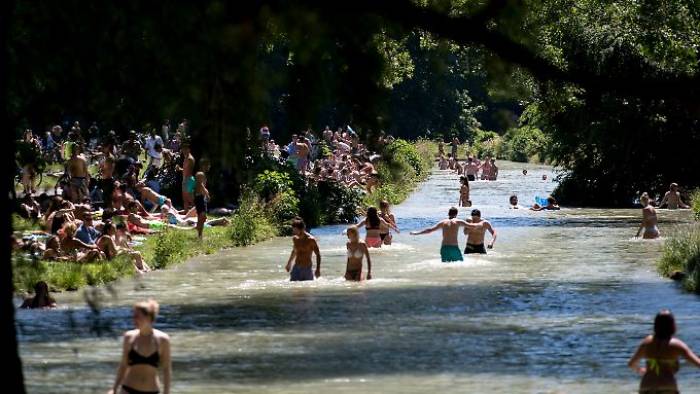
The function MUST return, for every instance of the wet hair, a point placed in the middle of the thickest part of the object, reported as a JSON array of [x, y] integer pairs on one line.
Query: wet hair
[[452, 213], [512, 197], [149, 308], [464, 180], [373, 217], [41, 293], [352, 230], [476, 212], [298, 223], [664, 325]]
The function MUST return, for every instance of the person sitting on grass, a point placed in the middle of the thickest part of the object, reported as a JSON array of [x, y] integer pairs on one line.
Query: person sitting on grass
[[109, 247], [82, 252], [53, 251], [42, 298]]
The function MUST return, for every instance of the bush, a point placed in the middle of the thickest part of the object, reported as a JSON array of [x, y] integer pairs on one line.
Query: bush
[[486, 143], [270, 183], [283, 208], [250, 224], [681, 253], [522, 144], [695, 203]]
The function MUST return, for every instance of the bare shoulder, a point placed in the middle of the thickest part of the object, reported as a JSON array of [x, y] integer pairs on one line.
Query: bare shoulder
[[647, 340], [161, 336], [678, 344], [131, 334]]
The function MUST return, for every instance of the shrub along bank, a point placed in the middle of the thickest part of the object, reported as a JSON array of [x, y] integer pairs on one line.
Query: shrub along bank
[[681, 254]]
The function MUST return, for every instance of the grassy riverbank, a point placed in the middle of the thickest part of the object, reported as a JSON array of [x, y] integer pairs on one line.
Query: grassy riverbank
[[265, 211], [681, 254]]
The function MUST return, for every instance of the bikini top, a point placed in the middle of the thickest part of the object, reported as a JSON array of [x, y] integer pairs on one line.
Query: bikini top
[[654, 364], [136, 358], [356, 254]]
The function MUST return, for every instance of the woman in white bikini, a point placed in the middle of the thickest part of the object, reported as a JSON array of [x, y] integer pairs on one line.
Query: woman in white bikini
[[649, 219], [357, 251]]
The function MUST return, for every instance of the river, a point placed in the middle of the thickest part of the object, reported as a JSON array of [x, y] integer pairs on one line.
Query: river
[[558, 306]]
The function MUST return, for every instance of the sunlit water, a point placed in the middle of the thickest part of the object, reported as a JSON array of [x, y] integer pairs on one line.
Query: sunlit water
[[557, 307]]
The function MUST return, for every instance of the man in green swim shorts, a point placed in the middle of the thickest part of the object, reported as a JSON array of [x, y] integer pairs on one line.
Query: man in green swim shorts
[[450, 230], [188, 182]]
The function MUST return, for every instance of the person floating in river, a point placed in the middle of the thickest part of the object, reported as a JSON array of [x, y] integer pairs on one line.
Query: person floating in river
[[649, 219], [145, 350], [551, 205], [41, 299], [304, 245], [375, 227], [449, 251], [464, 200], [672, 199], [662, 351], [357, 251], [513, 200], [475, 230]]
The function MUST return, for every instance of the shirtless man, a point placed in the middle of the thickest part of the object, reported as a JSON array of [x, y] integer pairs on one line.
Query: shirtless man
[[443, 164], [464, 200], [107, 174], [188, 181], [471, 169], [475, 230], [672, 198], [77, 167], [148, 194], [493, 173], [304, 246], [649, 219], [449, 251]]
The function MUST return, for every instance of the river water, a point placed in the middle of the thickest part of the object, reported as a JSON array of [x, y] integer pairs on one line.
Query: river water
[[558, 306]]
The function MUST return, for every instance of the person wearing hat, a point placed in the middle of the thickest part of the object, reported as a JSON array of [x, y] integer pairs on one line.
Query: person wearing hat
[[475, 230]]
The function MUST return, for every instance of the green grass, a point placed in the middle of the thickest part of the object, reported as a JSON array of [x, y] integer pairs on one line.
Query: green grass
[[681, 253]]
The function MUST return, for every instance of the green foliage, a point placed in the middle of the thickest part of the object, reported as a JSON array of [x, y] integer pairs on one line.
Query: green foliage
[[283, 208], [522, 144], [695, 203], [270, 183], [486, 143], [681, 253], [249, 224]]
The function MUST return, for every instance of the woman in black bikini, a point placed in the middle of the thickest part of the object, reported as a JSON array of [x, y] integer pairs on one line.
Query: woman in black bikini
[[144, 351], [385, 213]]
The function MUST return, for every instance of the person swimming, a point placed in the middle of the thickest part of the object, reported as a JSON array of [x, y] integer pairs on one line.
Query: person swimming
[[373, 227], [662, 351], [513, 201], [550, 205], [357, 251], [649, 219]]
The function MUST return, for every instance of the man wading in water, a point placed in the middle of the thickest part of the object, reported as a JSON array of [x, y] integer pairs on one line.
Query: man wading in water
[[475, 230], [450, 232], [304, 246]]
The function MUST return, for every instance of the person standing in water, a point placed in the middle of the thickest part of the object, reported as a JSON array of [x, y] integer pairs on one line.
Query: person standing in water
[[471, 169], [475, 230], [464, 200], [662, 351], [304, 245], [145, 350], [386, 215], [672, 198], [449, 251], [374, 226], [455, 147], [357, 251], [649, 219]]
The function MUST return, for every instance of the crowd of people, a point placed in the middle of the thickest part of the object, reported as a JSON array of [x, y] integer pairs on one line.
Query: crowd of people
[[335, 155], [98, 213]]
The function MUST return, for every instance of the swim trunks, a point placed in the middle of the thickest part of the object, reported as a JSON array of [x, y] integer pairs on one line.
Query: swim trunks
[[450, 253], [79, 188], [301, 273], [470, 249], [373, 242], [200, 203], [188, 184], [355, 275], [471, 177]]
